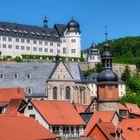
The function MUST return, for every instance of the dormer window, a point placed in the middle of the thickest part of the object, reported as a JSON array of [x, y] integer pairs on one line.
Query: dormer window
[[15, 76], [29, 90], [28, 75], [1, 75]]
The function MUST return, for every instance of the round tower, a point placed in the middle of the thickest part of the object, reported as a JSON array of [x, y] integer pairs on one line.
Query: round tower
[[73, 37], [107, 82]]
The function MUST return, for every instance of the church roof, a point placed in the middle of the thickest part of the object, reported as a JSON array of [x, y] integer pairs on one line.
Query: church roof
[[40, 72]]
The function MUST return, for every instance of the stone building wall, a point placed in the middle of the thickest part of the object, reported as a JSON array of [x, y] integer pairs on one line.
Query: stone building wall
[[76, 94], [117, 68], [104, 106]]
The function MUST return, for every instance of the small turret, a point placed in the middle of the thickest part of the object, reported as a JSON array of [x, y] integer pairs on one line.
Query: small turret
[[45, 21]]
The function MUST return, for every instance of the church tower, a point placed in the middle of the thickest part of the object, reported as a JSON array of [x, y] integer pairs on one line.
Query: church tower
[[107, 82]]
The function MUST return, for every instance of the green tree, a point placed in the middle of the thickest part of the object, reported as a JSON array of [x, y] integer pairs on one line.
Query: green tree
[[98, 67], [126, 74]]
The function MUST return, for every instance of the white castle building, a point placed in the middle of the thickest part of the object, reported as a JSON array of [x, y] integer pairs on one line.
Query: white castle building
[[92, 54], [17, 39]]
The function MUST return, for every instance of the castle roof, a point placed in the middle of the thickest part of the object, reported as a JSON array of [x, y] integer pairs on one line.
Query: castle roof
[[32, 32]]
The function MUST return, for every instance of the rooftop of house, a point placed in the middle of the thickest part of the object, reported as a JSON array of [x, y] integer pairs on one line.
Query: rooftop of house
[[129, 124], [107, 128], [131, 135], [15, 106], [79, 108], [6, 94], [122, 106], [58, 112], [23, 128], [104, 116], [133, 108]]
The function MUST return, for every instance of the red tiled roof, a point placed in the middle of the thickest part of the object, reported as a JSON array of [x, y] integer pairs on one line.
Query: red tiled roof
[[133, 108], [79, 108], [6, 94], [131, 135], [13, 107], [22, 128], [107, 128], [58, 112], [105, 116], [129, 123], [122, 107]]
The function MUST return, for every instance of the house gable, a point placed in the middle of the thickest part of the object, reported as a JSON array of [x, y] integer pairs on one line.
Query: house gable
[[61, 72]]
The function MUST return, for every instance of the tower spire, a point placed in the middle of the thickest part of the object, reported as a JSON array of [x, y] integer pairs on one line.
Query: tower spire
[[106, 34], [45, 22]]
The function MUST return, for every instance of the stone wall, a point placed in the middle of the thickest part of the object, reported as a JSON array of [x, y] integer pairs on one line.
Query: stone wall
[[117, 68], [104, 106]]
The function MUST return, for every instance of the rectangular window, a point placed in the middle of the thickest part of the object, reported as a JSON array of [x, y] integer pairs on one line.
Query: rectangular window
[[30, 107], [51, 43], [22, 47], [34, 49], [17, 39], [64, 40], [34, 42], [22, 40], [73, 40], [58, 44], [17, 47], [4, 45], [32, 115], [46, 43], [4, 38], [58, 51], [45, 50], [40, 49], [10, 46], [73, 51], [9, 39], [40, 42], [51, 50], [28, 41], [27, 48]]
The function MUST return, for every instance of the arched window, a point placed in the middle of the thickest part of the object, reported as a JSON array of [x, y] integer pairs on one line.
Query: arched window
[[64, 50], [67, 92], [55, 93]]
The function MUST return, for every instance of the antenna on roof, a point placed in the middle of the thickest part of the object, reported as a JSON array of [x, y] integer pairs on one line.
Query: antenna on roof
[[106, 33], [45, 21]]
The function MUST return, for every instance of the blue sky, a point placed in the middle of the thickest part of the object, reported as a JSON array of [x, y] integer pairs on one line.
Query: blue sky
[[121, 16]]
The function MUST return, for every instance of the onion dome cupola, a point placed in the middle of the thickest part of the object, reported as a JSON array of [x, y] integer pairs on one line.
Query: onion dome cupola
[[107, 75], [73, 26]]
